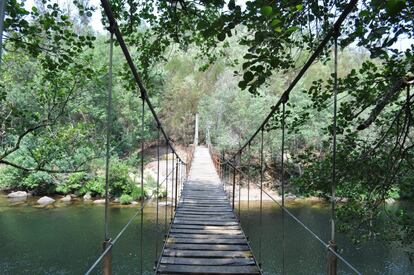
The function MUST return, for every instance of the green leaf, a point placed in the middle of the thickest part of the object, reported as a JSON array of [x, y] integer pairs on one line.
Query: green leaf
[[221, 36], [231, 5], [299, 7], [275, 22], [248, 76], [266, 10], [394, 6], [278, 29]]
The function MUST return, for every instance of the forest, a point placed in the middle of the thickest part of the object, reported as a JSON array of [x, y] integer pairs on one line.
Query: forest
[[228, 61]]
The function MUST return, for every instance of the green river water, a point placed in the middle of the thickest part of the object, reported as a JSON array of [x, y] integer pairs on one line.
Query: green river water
[[66, 239]]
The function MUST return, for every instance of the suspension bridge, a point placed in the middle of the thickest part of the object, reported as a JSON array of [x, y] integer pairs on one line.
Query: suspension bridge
[[205, 235]]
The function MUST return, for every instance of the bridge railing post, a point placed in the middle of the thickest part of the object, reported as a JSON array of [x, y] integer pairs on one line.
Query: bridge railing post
[[107, 260], [331, 267], [176, 185], [234, 183]]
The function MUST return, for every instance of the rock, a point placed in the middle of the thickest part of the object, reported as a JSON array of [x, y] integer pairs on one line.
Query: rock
[[87, 196], [73, 196], [66, 198], [45, 200], [99, 201], [165, 204], [134, 202], [389, 201], [290, 197], [116, 200], [17, 194]]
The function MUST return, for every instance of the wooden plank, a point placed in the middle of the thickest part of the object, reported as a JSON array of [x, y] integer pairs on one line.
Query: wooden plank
[[206, 241], [207, 254], [205, 227], [214, 247], [187, 269], [206, 231], [206, 236], [207, 261], [195, 222]]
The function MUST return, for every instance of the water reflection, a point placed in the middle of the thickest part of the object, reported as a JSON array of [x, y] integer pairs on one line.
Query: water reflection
[[67, 239]]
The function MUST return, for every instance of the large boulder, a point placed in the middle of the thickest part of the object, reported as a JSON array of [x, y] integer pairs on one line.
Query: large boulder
[[18, 194], [87, 196], [45, 200], [66, 198], [99, 201]]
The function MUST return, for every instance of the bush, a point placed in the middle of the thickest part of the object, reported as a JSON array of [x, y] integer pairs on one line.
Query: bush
[[125, 199], [72, 183], [119, 181], [95, 186], [10, 177], [40, 182], [137, 193]]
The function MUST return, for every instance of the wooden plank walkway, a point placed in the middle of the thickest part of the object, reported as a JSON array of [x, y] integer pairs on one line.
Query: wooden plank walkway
[[205, 236]]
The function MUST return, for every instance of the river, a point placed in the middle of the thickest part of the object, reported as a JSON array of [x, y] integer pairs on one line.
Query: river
[[66, 239]]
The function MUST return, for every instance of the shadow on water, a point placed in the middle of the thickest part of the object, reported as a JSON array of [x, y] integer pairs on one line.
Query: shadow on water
[[68, 239]]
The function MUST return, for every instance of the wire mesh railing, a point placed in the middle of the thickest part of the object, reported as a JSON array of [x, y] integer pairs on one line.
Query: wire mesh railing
[[174, 177], [229, 170]]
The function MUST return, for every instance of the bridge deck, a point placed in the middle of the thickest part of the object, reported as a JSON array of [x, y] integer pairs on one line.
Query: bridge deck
[[205, 236]]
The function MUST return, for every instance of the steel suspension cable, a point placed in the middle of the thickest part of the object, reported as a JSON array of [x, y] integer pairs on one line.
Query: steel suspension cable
[[108, 135], [172, 186], [283, 186], [2, 15], [261, 196], [107, 264], [240, 182], [142, 183], [111, 18], [158, 196], [166, 190], [290, 214], [332, 263], [248, 186], [331, 32]]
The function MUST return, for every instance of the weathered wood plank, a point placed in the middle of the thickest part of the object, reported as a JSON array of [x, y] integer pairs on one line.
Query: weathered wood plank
[[206, 236], [186, 269], [207, 254], [207, 261], [205, 241], [214, 247]]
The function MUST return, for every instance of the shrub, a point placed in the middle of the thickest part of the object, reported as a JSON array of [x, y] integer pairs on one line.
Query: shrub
[[137, 193], [40, 182], [72, 183], [95, 186], [125, 199], [10, 177], [119, 180]]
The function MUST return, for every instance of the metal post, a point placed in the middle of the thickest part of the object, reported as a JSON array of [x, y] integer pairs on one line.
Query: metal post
[[142, 182], [157, 194], [176, 184], [2, 14], [196, 131], [107, 262], [172, 185], [261, 195], [234, 182], [166, 187], [283, 186], [331, 258]]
